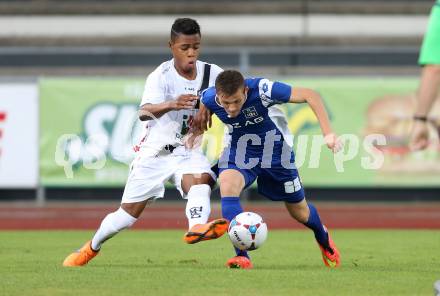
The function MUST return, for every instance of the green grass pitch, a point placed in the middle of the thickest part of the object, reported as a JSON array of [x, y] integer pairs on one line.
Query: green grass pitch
[[374, 262]]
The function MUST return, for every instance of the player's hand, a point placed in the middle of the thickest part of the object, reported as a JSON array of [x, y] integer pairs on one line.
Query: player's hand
[[202, 120], [333, 142], [185, 101], [193, 139], [419, 136]]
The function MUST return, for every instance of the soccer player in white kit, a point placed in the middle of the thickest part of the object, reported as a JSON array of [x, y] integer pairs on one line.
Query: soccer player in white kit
[[168, 105]]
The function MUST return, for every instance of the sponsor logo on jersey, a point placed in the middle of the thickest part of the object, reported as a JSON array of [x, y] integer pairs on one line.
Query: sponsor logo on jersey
[[109, 131], [250, 112]]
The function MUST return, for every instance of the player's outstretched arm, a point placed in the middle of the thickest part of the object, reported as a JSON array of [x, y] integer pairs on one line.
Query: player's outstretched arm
[[314, 99], [151, 111]]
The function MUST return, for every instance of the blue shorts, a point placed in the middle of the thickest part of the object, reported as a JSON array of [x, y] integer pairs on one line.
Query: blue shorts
[[277, 183]]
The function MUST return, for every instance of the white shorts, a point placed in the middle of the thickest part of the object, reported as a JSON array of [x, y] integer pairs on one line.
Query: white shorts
[[148, 175]]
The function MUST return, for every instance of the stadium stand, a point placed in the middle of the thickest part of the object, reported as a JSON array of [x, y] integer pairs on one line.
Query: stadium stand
[[333, 33]]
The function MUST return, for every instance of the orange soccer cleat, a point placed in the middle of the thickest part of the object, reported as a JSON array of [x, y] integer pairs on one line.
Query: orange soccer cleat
[[211, 230], [80, 257], [331, 259], [240, 262]]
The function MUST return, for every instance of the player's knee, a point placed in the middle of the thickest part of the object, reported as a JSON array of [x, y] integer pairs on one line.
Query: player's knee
[[299, 211], [230, 188], [231, 184]]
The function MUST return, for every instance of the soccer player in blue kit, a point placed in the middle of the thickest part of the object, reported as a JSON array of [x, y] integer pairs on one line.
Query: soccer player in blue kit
[[260, 148]]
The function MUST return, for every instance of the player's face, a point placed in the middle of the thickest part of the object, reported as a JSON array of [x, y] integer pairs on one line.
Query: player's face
[[233, 103], [185, 49]]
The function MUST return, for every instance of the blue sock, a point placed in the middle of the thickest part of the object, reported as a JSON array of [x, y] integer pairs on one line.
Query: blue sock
[[315, 224], [230, 208]]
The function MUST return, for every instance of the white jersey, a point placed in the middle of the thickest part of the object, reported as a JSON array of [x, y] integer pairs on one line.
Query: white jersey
[[165, 84]]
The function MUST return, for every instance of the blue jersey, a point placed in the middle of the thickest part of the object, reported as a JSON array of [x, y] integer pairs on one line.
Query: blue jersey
[[260, 144], [257, 122]]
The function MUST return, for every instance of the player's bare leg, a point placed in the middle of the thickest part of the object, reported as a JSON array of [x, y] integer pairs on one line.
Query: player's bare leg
[[113, 223], [231, 184], [307, 214], [198, 208]]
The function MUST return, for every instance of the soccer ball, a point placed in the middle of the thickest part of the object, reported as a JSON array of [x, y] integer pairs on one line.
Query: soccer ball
[[247, 231]]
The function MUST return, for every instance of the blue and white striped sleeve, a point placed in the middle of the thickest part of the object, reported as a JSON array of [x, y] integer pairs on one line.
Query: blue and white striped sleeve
[[272, 93]]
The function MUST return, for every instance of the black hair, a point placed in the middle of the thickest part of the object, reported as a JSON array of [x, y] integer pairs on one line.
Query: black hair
[[229, 82], [186, 26]]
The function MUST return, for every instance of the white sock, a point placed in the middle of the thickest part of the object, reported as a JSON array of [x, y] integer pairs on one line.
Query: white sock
[[112, 224], [198, 206]]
